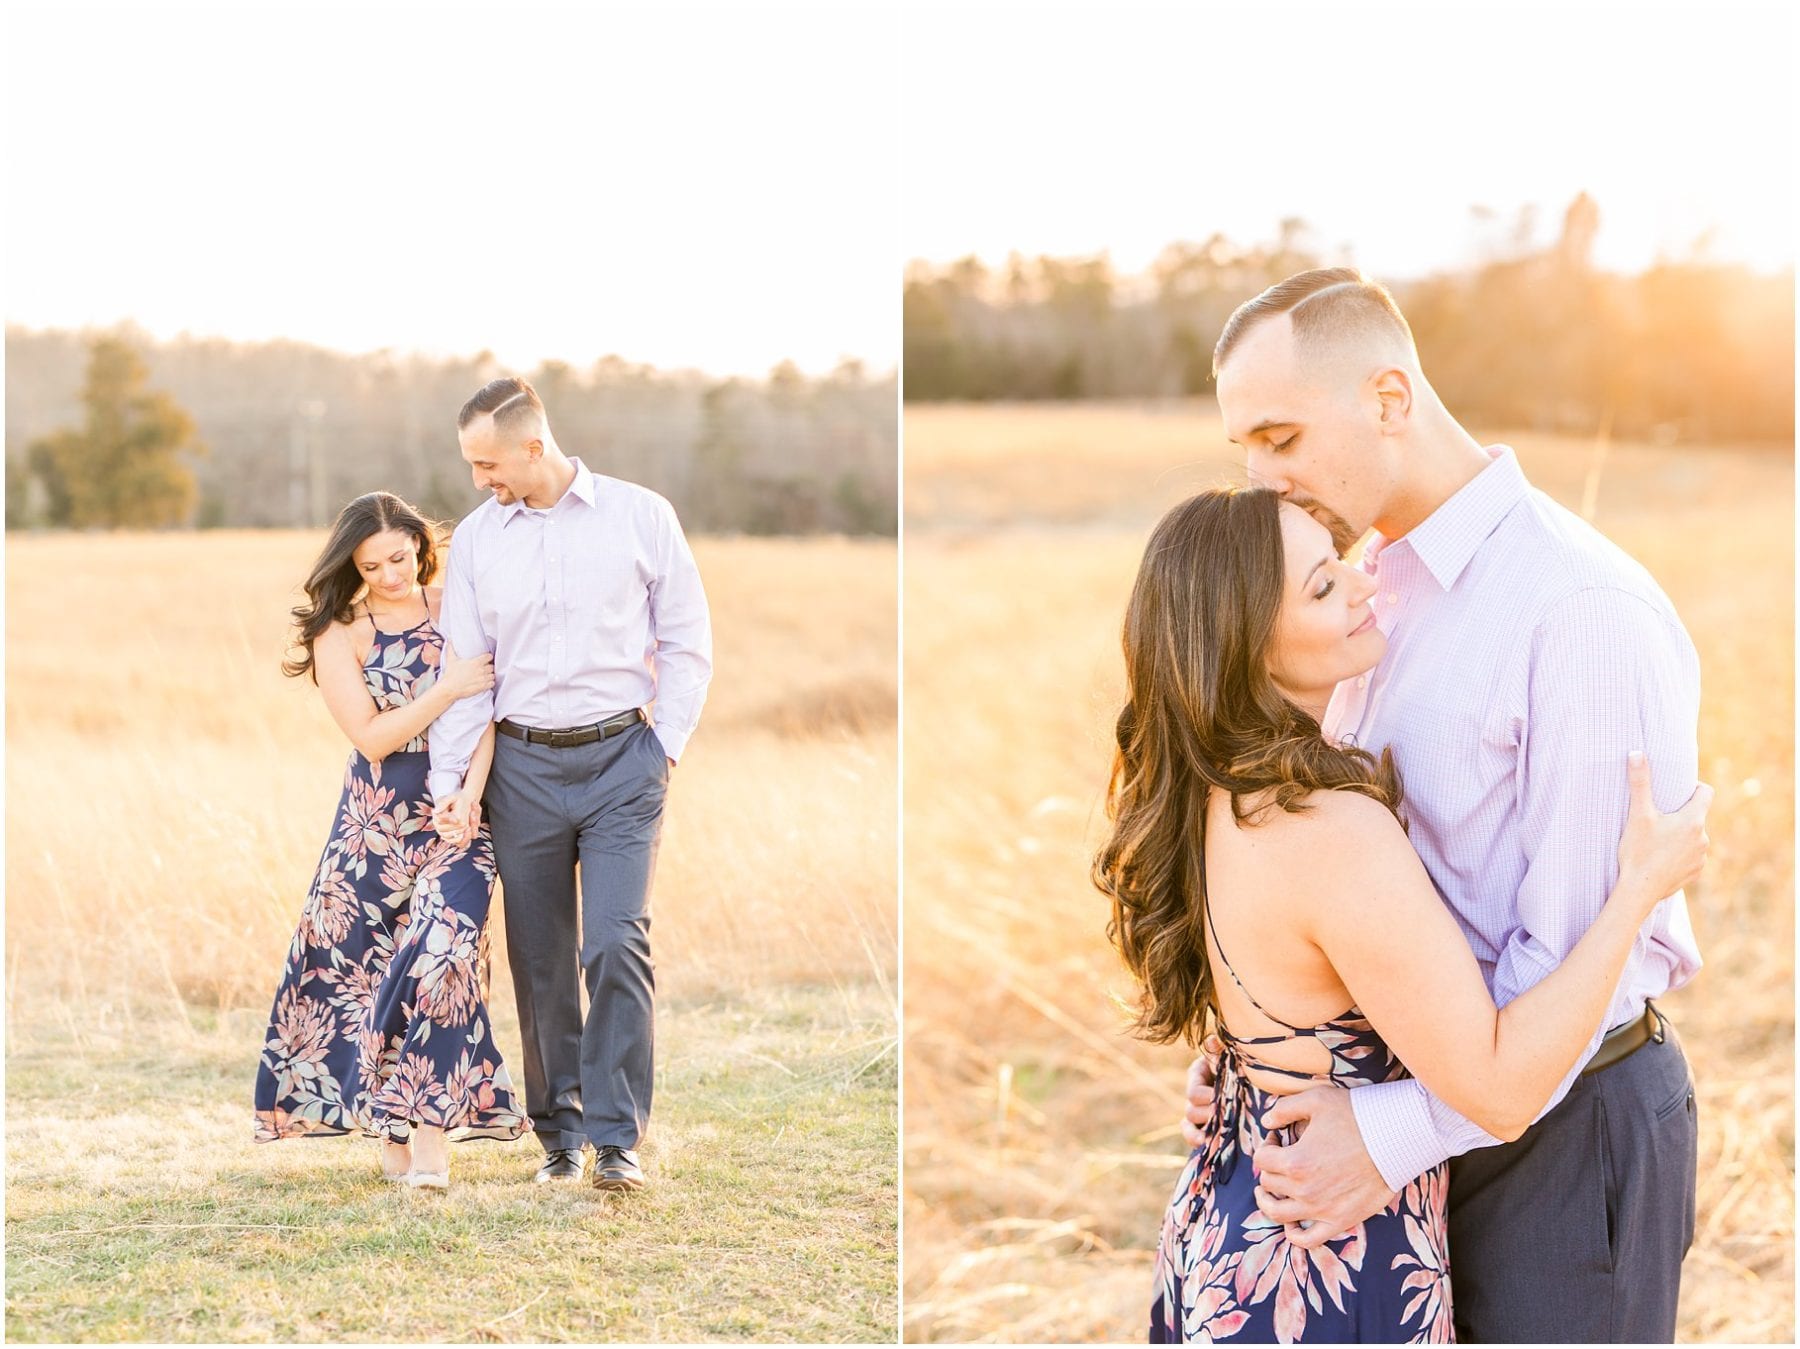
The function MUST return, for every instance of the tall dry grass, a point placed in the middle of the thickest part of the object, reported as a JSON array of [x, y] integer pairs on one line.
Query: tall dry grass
[[168, 794], [169, 790], [1040, 1139]]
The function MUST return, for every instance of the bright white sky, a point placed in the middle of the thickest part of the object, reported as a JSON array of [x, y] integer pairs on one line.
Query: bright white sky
[[725, 186], [710, 187], [1057, 130]]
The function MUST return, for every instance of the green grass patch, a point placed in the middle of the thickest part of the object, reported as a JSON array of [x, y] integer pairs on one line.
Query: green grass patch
[[137, 1208]]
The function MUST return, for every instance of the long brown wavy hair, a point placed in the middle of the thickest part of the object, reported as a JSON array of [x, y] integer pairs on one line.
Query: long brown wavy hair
[[334, 583], [1203, 714]]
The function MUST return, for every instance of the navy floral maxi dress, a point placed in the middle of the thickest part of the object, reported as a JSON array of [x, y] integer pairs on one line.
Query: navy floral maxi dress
[[1224, 1271], [380, 1020]]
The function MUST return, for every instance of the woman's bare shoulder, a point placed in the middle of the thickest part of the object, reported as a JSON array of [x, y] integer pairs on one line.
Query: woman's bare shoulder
[[351, 636], [1325, 811], [1345, 809], [339, 631], [1334, 835]]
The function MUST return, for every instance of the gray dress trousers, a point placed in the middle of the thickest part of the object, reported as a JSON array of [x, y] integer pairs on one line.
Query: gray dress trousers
[[1574, 1233], [597, 807]]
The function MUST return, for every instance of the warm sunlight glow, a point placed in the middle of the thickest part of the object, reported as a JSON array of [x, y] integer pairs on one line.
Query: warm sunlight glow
[[1124, 129]]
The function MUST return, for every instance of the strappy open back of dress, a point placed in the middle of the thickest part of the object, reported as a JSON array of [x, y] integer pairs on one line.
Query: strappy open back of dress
[[1224, 1270]]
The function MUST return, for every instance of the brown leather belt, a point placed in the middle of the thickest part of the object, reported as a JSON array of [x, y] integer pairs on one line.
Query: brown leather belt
[[1624, 1041], [575, 735]]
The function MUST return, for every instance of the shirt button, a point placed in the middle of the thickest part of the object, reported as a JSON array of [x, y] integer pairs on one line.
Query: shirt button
[[1393, 598], [1362, 681]]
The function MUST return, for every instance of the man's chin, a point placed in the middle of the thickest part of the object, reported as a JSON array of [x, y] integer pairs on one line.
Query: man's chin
[[1344, 535]]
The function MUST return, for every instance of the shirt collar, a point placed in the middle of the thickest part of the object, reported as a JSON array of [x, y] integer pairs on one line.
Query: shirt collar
[[1446, 539], [583, 488]]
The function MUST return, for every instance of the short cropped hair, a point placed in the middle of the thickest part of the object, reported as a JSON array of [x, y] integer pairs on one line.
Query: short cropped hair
[[511, 400], [1325, 304]]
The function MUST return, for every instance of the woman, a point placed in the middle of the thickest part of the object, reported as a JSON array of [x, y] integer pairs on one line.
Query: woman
[[1261, 880], [380, 1021]]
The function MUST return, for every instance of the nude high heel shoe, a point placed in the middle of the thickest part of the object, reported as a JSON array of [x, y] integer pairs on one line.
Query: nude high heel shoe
[[439, 1179]]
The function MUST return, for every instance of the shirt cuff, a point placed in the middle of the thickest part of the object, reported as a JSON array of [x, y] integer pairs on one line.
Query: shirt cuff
[[1397, 1129], [443, 785], [673, 741]]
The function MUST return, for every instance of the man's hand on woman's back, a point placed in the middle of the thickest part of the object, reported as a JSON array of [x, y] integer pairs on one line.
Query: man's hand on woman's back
[[1200, 1090]]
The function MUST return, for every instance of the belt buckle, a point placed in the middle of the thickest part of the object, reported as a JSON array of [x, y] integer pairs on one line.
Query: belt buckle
[[561, 739]]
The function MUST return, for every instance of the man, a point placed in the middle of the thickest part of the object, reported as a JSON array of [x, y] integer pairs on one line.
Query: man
[[1526, 657], [583, 588]]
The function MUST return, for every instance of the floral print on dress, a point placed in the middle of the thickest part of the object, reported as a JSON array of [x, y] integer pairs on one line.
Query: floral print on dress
[[380, 1020], [1226, 1272], [405, 671]]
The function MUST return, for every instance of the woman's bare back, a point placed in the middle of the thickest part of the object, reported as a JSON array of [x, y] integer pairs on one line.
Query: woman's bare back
[[1260, 879]]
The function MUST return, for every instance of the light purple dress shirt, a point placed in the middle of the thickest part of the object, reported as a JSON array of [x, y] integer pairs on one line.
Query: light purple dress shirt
[[1527, 655], [591, 608]]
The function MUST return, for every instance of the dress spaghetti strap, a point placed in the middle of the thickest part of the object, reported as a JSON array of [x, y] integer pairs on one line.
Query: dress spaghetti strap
[[1225, 961]]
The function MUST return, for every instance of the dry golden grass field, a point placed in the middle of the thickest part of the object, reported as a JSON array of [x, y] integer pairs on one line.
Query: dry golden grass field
[[1040, 1139], [168, 792]]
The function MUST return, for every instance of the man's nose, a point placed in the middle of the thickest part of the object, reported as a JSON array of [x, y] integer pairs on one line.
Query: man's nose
[[1262, 476]]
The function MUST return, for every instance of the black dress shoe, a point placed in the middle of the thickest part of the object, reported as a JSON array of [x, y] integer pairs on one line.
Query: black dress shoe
[[618, 1169], [562, 1164]]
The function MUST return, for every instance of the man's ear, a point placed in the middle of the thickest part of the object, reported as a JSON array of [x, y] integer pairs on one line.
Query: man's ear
[[534, 449], [1393, 391]]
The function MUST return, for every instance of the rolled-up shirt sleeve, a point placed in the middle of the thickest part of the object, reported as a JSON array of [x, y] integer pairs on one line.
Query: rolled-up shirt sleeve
[[1609, 673], [681, 629], [455, 734]]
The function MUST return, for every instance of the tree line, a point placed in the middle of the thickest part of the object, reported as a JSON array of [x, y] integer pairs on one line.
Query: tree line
[[116, 429], [1533, 336]]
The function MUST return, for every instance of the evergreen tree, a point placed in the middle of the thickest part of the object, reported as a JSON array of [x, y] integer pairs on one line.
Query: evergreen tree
[[126, 466]]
